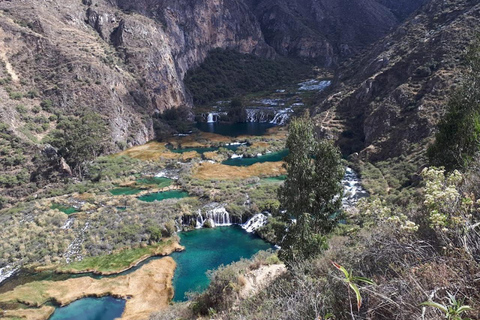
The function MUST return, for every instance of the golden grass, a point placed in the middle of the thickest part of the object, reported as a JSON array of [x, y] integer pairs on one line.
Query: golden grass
[[149, 288], [30, 314], [211, 171], [155, 151], [201, 139]]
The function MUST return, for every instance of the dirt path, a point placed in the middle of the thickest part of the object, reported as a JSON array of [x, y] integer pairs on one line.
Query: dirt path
[[3, 56]]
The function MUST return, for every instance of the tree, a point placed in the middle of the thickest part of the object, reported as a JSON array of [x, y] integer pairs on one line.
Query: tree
[[458, 137], [80, 139], [237, 111], [312, 191]]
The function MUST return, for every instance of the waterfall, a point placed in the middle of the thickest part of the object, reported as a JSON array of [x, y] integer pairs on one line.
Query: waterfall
[[282, 116], [199, 221], [352, 189], [261, 115], [255, 222], [213, 213], [219, 216], [314, 85], [210, 118]]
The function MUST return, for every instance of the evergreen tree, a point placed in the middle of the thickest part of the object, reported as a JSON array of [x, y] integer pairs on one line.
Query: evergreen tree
[[312, 191], [458, 137]]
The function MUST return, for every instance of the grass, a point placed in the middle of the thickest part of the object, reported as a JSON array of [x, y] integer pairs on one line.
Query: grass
[[211, 171], [116, 262], [125, 191], [155, 151], [158, 182]]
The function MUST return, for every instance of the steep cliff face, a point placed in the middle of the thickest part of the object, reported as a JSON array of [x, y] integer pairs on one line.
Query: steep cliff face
[[326, 30], [390, 99], [125, 61]]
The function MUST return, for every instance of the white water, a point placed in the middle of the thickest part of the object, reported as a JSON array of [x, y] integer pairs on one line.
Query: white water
[[282, 116], [352, 189], [314, 85], [170, 174], [214, 213], [210, 118], [7, 272], [255, 222], [261, 115]]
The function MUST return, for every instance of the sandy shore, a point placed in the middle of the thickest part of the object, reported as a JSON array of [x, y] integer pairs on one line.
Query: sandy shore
[[148, 289]]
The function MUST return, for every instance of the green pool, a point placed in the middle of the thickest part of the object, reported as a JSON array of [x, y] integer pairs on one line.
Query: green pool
[[269, 157], [106, 308], [159, 196], [207, 249]]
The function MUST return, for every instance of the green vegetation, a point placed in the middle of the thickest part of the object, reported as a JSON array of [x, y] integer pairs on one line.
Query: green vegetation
[[311, 191], [80, 139], [117, 261], [350, 280], [226, 73], [458, 137], [452, 310]]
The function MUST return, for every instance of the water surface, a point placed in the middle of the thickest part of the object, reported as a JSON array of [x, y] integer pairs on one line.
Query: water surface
[[159, 196], [235, 129], [207, 249], [106, 308], [202, 150], [269, 157]]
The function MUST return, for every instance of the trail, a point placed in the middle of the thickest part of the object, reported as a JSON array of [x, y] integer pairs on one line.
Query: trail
[[3, 56]]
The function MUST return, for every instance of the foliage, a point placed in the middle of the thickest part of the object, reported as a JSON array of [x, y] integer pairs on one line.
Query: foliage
[[458, 137], [453, 310], [312, 190], [80, 139], [172, 120], [350, 280], [237, 111], [226, 73]]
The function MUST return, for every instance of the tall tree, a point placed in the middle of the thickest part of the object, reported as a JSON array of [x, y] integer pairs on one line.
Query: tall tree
[[312, 190], [458, 137]]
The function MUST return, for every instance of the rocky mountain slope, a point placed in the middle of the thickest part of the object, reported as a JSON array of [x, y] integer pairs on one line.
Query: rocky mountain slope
[[327, 30], [126, 60], [387, 102]]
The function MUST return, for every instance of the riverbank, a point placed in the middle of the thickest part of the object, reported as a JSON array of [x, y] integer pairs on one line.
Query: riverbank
[[121, 261], [147, 290]]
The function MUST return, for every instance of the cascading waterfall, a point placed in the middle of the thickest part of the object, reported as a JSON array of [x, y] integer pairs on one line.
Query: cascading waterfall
[[218, 217], [282, 116], [352, 189], [214, 214], [261, 115], [255, 222]]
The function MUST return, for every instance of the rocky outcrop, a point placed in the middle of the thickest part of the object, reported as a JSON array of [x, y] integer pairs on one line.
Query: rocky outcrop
[[391, 98]]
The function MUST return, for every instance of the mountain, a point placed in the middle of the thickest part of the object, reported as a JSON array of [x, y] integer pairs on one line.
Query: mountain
[[387, 102], [126, 59], [327, 30]]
